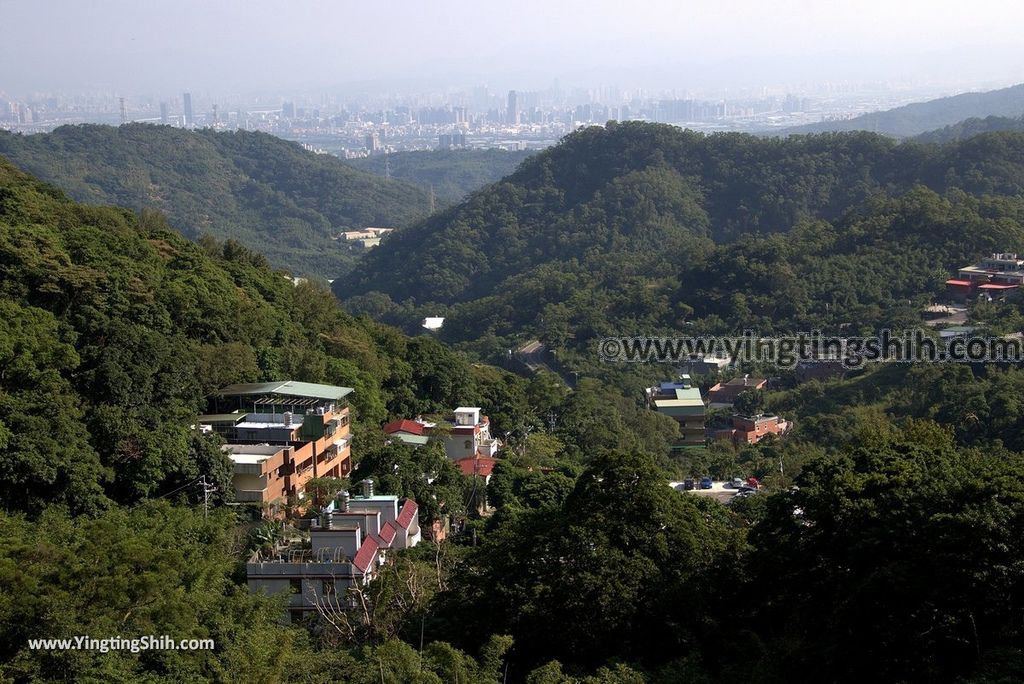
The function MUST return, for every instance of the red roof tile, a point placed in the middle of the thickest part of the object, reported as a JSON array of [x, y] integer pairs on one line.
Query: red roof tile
[[483, 465], [365, 554], [410, 426], [406, 516], [958, 282], [388, 532]]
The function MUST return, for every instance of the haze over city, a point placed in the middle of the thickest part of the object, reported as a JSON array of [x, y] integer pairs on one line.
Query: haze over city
[[236, 47]]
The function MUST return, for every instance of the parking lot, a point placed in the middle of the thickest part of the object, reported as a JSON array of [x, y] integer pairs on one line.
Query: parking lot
[[718, 490]]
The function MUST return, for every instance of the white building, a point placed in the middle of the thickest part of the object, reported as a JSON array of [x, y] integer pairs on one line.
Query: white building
[[470, 435], [348, 545]]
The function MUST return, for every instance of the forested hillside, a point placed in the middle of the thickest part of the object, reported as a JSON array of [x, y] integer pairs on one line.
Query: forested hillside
[[117, 329], [452, 173], [639, 227], [971, 127], [268, 194], [590, 569], [919, 117]]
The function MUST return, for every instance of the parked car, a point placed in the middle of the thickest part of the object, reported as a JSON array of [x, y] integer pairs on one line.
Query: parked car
[[688, 483], [736, 482], [706, 483]]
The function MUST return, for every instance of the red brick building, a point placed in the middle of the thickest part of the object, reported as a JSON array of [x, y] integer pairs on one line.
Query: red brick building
[[747, 430]]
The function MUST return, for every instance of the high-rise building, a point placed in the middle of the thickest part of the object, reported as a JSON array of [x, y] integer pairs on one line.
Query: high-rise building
[[187, 107], [288, 110], [373, 145], [512, 111], [164, 113]]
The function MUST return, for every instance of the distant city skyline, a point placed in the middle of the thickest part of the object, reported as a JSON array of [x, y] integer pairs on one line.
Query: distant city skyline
[[117, 46]]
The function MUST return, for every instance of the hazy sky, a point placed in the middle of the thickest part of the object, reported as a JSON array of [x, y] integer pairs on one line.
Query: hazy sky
[[150, 46]]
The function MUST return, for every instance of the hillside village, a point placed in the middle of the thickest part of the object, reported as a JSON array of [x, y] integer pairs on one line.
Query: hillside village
[[285, 436]]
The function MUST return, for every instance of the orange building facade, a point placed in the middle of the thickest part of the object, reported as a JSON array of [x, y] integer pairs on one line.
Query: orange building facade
[[280, 435]]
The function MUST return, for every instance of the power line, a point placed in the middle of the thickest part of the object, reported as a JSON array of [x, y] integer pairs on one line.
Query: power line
[[189, 484], [208, 489]]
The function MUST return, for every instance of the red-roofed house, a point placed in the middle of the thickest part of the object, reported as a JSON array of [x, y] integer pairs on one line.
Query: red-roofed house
[[388, 533], [723, 394], [348, 544], [408, 524], [995, 276], [468, 433], [409, 427], [366, 555], [481, 466]]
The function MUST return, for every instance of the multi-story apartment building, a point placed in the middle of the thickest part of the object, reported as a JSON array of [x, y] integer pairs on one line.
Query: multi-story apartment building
[[346, 548], [309, 423], [259, 472], [684, 404]]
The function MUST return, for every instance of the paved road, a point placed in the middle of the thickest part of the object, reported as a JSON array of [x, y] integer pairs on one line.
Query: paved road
[[535, 356]]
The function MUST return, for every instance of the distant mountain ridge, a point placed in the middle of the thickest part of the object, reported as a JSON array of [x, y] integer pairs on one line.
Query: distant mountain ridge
[[267, 193], [647, 227], [920, 117]]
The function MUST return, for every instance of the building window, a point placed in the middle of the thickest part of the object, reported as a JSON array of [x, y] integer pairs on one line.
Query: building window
[[296, 585], [469, 444]]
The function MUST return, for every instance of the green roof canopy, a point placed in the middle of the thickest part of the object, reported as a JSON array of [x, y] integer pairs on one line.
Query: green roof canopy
[[287, 388], [221, 418]]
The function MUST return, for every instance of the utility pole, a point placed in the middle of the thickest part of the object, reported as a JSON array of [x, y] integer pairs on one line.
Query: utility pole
[[208, 489]]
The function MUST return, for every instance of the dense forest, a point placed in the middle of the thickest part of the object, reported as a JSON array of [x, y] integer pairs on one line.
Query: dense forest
[[971, 127], [644, 228], [453, 174], [268, 194], [919, 117], [884, 546]]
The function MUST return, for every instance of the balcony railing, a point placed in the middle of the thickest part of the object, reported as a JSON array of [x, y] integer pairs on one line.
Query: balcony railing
[[247, 495]]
